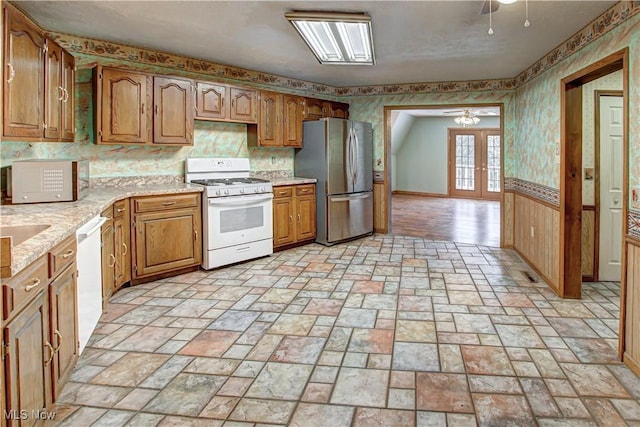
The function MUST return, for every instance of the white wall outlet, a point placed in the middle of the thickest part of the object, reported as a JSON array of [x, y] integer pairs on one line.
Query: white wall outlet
[[532, 233]]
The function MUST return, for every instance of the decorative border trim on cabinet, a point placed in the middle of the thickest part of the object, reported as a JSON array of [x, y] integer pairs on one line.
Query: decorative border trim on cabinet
[[614, 16], [534, 190]]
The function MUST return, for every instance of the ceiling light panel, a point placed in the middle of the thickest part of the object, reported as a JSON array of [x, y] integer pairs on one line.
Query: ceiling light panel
[[336, 38]]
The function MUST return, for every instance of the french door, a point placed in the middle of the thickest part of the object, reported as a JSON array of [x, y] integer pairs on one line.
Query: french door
[[475, 163]]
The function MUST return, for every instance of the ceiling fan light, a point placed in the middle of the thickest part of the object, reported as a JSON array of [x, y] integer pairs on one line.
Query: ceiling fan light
[[467, 119], [507, 1]]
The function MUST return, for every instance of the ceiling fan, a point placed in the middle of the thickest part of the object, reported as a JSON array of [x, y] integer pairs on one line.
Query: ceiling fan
[[473, 112], [493, 5]]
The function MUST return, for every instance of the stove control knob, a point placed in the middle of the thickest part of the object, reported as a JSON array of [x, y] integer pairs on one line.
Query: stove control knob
[[218, 192], [242, 191], [226, 192], [256, 189]]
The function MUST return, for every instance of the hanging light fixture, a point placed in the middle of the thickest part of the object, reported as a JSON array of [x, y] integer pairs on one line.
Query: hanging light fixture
[[527, 23], [467, 119]]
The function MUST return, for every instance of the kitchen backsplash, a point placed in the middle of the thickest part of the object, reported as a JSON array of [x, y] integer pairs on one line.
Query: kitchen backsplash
[[211, 139]]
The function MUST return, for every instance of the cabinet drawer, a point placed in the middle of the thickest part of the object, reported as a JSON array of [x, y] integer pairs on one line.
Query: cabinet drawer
[[24, 286], [120, 208], [305, 190], [61, 256], [150, 204], [107, 213], [282, 192]]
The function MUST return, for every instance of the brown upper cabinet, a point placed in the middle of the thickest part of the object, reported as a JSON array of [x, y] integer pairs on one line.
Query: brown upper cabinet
[[244, 108], [59, 102], [340, 110], [123, 106], [279, 121], [212, 101], [292, 123], [38, 93], [173, 109], [270, 119], [314, 109]]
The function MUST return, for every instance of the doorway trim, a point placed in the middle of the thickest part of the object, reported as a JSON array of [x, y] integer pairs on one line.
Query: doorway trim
[[570, 236], [386, 190]]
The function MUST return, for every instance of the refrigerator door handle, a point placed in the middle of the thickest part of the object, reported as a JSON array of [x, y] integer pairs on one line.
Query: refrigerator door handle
[[356, 142], [353, 157], [351, 197], [348, 161]]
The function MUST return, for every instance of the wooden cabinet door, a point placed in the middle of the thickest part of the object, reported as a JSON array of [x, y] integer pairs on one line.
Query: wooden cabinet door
[[68, 111], [108, 260], [23, 70], [121, 236], [166, 240], [173, 111], [306, 217], [124, 106], [313, 109], [292, 127], [340, 110], [243, 105], [54, 92], [64, 326], [27, 362], [270, 119], [212, 101], [326, 109], [283, 224]]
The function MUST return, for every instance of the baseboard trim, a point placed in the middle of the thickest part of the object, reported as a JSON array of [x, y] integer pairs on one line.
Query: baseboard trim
[[631, 364], [547, 280]]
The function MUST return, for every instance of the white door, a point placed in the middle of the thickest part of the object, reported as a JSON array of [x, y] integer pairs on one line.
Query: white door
[[611, 182]]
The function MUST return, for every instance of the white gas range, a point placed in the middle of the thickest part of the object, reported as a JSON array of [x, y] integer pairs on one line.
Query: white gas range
[[237, 211]]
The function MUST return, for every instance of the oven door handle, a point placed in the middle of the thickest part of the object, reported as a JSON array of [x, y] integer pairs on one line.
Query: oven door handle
[[240, 200]]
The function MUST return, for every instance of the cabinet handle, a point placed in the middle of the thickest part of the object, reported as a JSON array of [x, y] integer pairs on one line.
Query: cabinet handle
[[290, 219], [304, 190], [222, 105], [52, 352], [66, 95], [120, 210], [126, 249], [171, 203], [298, 218], [113, 260], [12, 72], [35, 282], [195, 234], [233, 103], [59, 340], [156, 108], [60, 93], [282, 193], [67, 254], [142, 108]]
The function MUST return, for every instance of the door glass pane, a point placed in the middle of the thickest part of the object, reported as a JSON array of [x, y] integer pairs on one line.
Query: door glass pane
[[465, 162], [493, 163], [241, 219]]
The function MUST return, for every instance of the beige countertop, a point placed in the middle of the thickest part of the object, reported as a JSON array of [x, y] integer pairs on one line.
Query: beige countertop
[[66, 217], [295, 180]]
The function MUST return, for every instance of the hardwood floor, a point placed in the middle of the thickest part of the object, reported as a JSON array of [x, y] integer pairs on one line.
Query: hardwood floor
[[457, 220]]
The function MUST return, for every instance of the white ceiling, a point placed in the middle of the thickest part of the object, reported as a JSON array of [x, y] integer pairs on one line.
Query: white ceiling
[[415, 41]]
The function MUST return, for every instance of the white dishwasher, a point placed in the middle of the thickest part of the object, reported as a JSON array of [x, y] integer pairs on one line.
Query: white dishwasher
[[89, 261]]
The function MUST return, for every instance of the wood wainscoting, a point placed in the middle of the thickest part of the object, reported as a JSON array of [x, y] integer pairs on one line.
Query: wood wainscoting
[[381, 209], [508, 220], [630, 309], [589, 244], [535, 236]]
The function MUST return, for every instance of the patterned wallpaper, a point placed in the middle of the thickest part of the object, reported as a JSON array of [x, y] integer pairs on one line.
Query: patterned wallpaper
[[538, 108]]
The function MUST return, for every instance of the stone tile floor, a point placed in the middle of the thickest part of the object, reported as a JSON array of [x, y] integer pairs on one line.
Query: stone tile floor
[[383, 331]]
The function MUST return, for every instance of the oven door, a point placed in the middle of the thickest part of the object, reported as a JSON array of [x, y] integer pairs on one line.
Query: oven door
[[238, 219]]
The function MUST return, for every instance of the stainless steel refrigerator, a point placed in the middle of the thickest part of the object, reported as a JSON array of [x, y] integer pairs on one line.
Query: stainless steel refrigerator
[[339, 154]]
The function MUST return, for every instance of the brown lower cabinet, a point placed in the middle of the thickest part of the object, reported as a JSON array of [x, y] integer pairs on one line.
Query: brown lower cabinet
[[108, 255], [294, 215], [39, 336], [166, 236]]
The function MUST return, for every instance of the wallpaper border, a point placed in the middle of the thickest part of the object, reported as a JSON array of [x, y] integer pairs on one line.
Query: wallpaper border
[[633, 222], [532, 189], [614, 16]]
